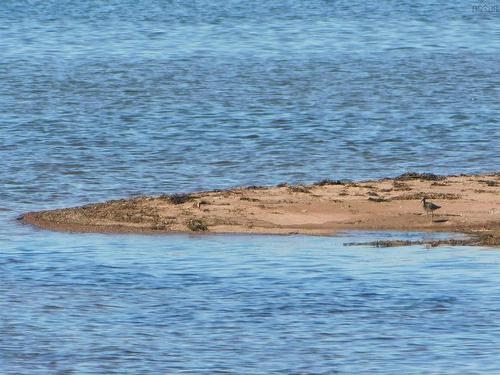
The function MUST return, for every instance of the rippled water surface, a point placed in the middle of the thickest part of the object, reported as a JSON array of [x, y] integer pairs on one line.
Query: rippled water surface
[[94, 304], [187, 95], [101, 100]]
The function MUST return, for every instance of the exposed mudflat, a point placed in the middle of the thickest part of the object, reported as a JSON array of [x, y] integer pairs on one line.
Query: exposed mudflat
[[469, 204]]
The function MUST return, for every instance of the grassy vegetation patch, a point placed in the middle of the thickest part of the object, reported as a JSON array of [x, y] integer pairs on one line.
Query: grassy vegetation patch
[[299, 188], [196, 225], [327, 182], [420, 176], [178, 198], [421, 195]]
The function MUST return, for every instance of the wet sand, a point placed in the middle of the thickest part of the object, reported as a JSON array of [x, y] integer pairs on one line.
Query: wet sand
[[470, 204]]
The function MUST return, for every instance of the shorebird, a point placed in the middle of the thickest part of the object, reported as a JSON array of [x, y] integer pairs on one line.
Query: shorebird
[[429, 207]]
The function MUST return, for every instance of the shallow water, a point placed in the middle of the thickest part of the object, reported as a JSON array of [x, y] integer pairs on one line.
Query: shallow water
[[100, 101], [245, 304]]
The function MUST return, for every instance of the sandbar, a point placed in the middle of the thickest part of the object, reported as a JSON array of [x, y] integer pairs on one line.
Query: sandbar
[[469, 204]]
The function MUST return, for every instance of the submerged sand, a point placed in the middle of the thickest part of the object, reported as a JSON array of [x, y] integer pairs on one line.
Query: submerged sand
[[470, 204]]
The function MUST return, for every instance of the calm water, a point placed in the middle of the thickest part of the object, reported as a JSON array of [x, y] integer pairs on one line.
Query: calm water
[[100, 100], [244, 305]]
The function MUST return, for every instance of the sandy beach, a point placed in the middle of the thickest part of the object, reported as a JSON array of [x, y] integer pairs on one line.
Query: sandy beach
[[469, 204]]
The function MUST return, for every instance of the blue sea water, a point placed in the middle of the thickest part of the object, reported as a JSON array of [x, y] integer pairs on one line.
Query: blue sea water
[[101, 100]]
